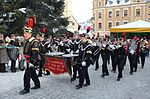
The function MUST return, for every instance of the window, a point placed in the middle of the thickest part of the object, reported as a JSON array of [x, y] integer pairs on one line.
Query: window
[[125, 22], [149, 12], [100, 4], [100, 15], [125, 12], [117, 23], [109, 25], [100, 25], [138, 12], [110, 14], [137, 0], [117, 13]]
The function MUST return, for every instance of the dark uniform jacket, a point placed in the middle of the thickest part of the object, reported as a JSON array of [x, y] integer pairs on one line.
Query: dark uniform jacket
[[31, 51], [85, 54]]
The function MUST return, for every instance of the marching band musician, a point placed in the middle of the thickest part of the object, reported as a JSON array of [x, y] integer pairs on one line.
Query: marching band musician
[[75, 44], [133, 56], [31, 52], [121, 52], [143, 50], [113, 54], [84, 61], [105, 54], [42, 50], [96, 52]]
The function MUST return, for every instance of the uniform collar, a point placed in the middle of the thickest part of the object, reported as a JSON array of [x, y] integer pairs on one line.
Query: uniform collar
[[30, 39]]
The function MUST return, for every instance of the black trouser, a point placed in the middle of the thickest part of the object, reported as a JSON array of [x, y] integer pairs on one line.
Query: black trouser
[[108, 58], [143, 55], [21, 64], [120, 62], [133, 62], [125, 60], [30, 73], [104, 65], [42, 63], [68, 62], [2, 67], [83, 73], [75, 70], [13, 65], [97, 60], [113, 61]]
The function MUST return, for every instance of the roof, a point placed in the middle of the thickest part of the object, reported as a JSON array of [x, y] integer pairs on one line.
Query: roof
[[137, 26]]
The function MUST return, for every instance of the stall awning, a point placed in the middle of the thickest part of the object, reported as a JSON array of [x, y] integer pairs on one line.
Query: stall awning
[[133, 27]]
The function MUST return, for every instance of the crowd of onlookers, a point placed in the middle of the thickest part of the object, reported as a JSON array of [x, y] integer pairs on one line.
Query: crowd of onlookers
[[11, 51]]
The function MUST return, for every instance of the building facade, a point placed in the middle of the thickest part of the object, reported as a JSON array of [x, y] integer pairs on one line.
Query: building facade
[[110, 13], [73, 24]]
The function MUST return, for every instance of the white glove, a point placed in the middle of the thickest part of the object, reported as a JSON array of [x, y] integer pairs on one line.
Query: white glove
[[132, 51], [68, 50], [83, 63], [77, 51], [31, 65]]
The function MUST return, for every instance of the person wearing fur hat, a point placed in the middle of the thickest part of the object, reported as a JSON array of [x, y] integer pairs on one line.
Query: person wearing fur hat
[[31, 52], [84, 61], [42, 50]]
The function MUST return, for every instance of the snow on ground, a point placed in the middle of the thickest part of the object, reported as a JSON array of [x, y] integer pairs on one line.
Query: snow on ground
[[136, 86]]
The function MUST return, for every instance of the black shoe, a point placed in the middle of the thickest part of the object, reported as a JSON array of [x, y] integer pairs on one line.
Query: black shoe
[[103, 75], [107, 74], [3, 71], [96, 69], [142, 66], [131, 73], [39, 75], [22, 69], [135, 70], [77, 77], [112, 70], [86, 84], [13, 71], [78, 86], [22, 92], [118, 79], [47, 73], [73, 79], [35, 87]]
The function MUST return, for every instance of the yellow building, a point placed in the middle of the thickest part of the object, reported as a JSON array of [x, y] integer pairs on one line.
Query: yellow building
[[109, 13], [73, 24]]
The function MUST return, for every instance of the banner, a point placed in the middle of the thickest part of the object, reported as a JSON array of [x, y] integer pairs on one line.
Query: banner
[[56, 65]]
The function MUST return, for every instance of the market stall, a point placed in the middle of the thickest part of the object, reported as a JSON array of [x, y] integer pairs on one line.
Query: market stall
[[139, 28]]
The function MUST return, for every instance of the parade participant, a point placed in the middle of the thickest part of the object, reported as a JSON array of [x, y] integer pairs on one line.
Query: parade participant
[[75, 44], [3, 54], [120, 59], [42, 51], [96, 52], [31, 54], [105, 54], [113, 54], [133, 56], [84, 61], [143, 50]]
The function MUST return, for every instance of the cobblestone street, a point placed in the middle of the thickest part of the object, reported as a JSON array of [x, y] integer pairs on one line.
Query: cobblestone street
[[136, 86]]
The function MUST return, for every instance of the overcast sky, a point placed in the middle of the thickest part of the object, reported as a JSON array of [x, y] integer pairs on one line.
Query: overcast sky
[[82, 9]]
